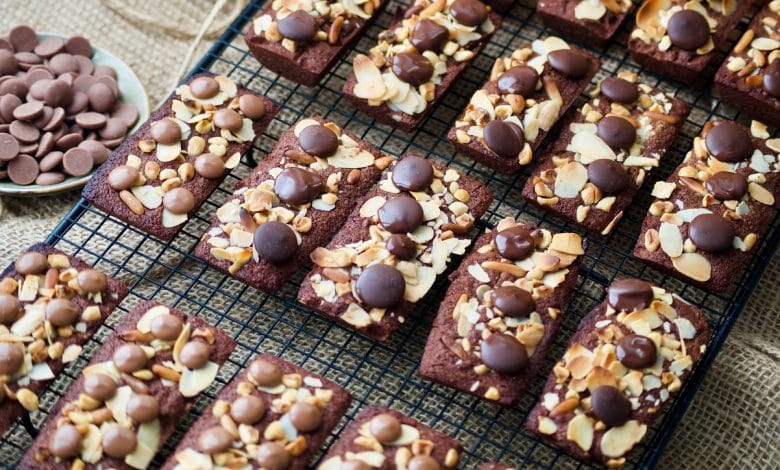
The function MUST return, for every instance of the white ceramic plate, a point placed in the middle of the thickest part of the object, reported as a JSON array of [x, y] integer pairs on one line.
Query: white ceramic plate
[[131, 92]]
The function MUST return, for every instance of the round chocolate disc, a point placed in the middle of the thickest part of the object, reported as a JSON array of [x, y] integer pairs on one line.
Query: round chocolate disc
[[412, 68], [214, 440], [92, 281], [264, 373], [401, 214], [31, 262], [504, 354], [428, 35], [616, 132], [727, 186], [100, 386], [520, 80], [10, 309], [272, 456], [771, 80], [194, 354], [514, 243], [413, 173], [297, 186], [119, 441], [636, 351], [569, 62], [275, 242], [688, 29], [629, 295], [318, 140], [143, 408], [729, 142], [77, 162], [423, 462], [298, 26], [209, 166], [11, 358], [166, 327], [401, 246], [179, 201], [62, 312], [247, 410], [385, 428], [711, 232], [9, 147], [380, 286], [610, 405], [165, 131], [504, 138], [608, 175], [252, 106], [204, 87], [23, 169], [229, 119], [129, 358], [305, 416], [65, 442], [513, 301], [469, 12], [619, 90]]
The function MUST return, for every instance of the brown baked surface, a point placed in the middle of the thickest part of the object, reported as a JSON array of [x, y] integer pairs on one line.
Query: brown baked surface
[[559, 16]]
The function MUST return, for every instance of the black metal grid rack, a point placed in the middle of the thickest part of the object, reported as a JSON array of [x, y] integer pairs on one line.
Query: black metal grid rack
[[386, 373]]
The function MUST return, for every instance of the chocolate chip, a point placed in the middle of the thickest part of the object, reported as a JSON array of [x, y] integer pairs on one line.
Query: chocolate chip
[[62, 312], [35, 75], [636, 351], [504, 138], [115, 128], [214, 440], [209, 166], [49, 46], [513, 301], [520, 80], [10, 309], [385, 428], [318, 140], [91, 120], [204, 87], [272, 456], [78, 45], [610, 405], [8, 63], [413, 173], [23, 169], [514, 243], [104, 70], [118, 441], [129, 358], [14, 86], [9, 147], [469, 12], [65, 442], [629, 295], [48, 178], [247, 410], [24, 132], [143, 408], [45, 145], [297, 186], [8, 103], [688, 29], [166, 327], [165, 131], [63, 63], [252, 106], [179, 201], [423, 462], [51, 160], [711, 232], [28, 111], [401, 246], [619, 90], [771, 80], [428, 35], [275, 242], [401, 214], [727, 186], [380, 286], [31, 262], [728, 142], [569, 62], [265, 373], [123, 177], [226, 118], [101, 97], [126, 112], [68, 141], [57, 118], [608, 175], [616, 132], [305, 416], [504, 354], [58, 93], [412, 68], [100, 386], [77, 162], [298, 26], [194, 354], [23, 38], [11, 358]]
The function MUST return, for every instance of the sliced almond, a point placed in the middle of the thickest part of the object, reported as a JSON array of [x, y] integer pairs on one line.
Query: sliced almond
[[671, 239], [193, 382], [570, 180], [617, 442], [761, 194], [693, 265], [580, 431], [370, 85]]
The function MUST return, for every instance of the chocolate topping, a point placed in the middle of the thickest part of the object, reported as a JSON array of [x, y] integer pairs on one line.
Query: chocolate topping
[[143, 408], [264, 373], [688, 29], [209, 166], [617, 132], [401, 246], [214, 440], [92, 281], [61, 312], [11, 358], [9, 147], [100, 386], [504, 354], [619, 90], [305, 416], [204, 87], [226, 118], [298, 26], [31, 262], [504, 138], [385, 428], [272, 456], [610, 405], [428, 35], [123, 177], [568, 62], [401, 214], [297, 186], [630, 295], [318, 140], [129, 358], [166, 327], [380, 286], [65, 442], [729, 142], [727, 186], [423, 462], [179, 201], [10, 309], [514, 243], [412, 68], [520, 80], [412, 173], [165, 131], [513, 301], [275, 242], [469, 12], [252, 106], [711, 232], [118, 441], [636, 351], [771, 80], [194, 354], [247, 410], [608, 175]]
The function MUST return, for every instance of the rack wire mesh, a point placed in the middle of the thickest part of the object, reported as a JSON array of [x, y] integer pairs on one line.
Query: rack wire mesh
[[386, 373]]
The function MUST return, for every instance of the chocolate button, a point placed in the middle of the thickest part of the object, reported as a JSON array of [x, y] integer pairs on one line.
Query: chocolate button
[[49, 46], [24, 132], [252, 106], [298, 26], [412, 68], [226, 118], [65, 442], [520, 80], [165, 131], [63, 63], [247, 410], [629, 295], [179, 201], [31, 262], [380, 286], [275, 242], [23, 169], [91, 120], [354, 464], [413, 173], [772, 79], [8, 63], [305, 416], [28, 111], [77, 162], [504, 354], [610, 405], [401, 214], [272, 456], [23, 38], [204, 87], [51, 161], [118, 441], [616, 132], [264, 373], [619, 90], [92, 281], [469, 12], [123, 177], [385, 428], [166, 327], [214, 440], [401, 246], [78, 45], [9, 147], [101, 97], [194, 354], [61, 312], [513, 301], [297, 186], [58, 93], [504, 138], [728, 142], [129, 358], [318, 140], [636, 351], [423, 462], [608, 175], [568, 62], [711, 232], [514, 243], [143, 408], [14, 86], [428, 35], [11, 358], [209, 166], [727, 186], [10, 309], [101, 387], [49, 178], [688, 29], [127, 112]]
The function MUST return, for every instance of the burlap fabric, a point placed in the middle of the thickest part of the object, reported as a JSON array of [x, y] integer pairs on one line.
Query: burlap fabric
[[733, 422]]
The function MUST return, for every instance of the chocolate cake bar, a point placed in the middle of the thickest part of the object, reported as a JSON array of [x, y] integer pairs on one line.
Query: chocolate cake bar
[[591, 22]]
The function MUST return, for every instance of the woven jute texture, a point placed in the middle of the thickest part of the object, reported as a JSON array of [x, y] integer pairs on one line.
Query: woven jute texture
[[733, 421]]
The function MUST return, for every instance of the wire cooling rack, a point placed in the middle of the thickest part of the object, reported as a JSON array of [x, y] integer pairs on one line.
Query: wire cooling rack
[[386, 373]]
